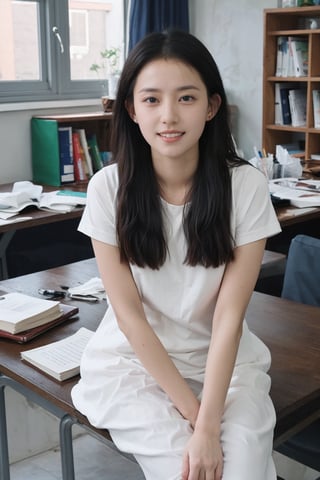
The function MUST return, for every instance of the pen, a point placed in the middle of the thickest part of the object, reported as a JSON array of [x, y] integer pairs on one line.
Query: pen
[[256, 153], [85, 298], [52, 293]]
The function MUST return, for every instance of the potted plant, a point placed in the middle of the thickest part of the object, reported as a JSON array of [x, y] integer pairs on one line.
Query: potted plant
[[108, 71]]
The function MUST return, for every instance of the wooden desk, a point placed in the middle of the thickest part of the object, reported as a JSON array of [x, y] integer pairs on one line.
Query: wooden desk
[[291, 215], [290, 330], [39, 217]]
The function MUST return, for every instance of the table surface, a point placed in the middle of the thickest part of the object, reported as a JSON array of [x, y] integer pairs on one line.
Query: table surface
[[289, 329]]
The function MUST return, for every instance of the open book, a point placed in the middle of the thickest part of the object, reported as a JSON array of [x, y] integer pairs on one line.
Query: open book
[[61, 359], [301, 194], [20, 312], [26, 194]]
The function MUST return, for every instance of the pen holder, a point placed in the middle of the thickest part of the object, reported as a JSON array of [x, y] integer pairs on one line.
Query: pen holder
[[265, 164], [278, 170]]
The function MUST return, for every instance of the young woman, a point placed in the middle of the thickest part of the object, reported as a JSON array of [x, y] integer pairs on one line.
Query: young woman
[[178, 225]]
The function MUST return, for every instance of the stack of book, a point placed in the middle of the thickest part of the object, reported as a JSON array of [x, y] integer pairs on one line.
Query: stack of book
[[23, 317]]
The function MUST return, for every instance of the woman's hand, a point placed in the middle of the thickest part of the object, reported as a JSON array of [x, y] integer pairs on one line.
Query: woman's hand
[[203, 459]]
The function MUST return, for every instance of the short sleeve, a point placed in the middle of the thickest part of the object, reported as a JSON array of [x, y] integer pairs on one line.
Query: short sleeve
[[253, 215], [98, 219]]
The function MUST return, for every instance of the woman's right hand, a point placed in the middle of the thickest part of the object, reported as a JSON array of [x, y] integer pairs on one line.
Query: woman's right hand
[[203, 458]]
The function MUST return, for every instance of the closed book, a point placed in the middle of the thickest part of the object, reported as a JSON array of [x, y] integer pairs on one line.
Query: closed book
[[67, 312], [298, 107], [95, 152], [85, 148], [45, 167], [316, 107], [279, 59], [80, 174], [19, 312], [66, 154], [278, 120], [300, 56], [285, 106]]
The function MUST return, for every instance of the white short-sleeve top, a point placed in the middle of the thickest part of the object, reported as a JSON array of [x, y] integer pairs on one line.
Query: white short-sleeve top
[[178, 299]]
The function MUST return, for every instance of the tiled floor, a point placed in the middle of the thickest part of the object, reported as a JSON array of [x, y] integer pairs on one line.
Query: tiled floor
[[94, 461]]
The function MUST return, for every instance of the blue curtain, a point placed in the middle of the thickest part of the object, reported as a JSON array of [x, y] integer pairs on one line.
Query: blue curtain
[[146, 16]]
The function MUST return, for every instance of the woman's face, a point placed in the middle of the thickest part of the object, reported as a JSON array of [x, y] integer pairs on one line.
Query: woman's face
[[171, 107]]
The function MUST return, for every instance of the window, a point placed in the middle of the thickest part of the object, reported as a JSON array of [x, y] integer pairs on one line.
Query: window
[[47, 47]]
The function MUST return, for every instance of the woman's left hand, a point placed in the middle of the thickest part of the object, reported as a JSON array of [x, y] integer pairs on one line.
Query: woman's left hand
[[203, 458]]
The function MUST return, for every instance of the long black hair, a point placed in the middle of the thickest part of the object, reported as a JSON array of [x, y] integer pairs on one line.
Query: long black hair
[[139, 220]]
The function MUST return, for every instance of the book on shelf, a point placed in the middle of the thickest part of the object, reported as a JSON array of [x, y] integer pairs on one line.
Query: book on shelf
[[68, 312], [45, 152], [95, 152], [61, 359], [80, 168], [278, 120], [316, 108], [298, 106], [85, 148], [315, 156], [284, 60], [66, 154], [300, 56], [19, 312], [281, 46], [285, 105]]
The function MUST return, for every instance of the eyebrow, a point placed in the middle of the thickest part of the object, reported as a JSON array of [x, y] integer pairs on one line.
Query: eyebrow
[[179, 89]]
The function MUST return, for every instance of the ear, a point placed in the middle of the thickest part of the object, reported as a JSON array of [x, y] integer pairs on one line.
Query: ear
[[213, 106], [130, 109]]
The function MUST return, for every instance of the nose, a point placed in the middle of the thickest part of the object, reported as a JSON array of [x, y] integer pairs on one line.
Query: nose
[[169, 113]]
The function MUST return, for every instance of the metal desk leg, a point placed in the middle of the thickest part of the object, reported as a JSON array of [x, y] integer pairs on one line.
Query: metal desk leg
[[67, 463], [4, 453], [4, 242]]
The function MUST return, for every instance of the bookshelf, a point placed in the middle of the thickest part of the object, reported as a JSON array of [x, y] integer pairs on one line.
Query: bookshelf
[[295, 23], [45, 141]]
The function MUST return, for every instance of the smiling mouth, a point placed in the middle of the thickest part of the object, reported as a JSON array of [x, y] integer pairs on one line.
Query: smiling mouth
[[170, 134]]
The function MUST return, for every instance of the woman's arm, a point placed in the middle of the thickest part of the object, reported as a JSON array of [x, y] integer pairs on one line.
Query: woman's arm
[[236, 289], [203, 454], [126, 303]]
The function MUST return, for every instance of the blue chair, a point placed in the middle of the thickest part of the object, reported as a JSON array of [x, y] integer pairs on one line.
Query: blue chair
[[302, 284]]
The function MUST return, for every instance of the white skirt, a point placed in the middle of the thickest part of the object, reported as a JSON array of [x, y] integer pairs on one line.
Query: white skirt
[[123, 398]]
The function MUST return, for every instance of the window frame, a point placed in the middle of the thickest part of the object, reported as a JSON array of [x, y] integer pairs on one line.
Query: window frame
[[55, 82]]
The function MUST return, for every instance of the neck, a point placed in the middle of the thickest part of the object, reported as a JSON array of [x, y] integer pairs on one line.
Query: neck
[[175, 179]]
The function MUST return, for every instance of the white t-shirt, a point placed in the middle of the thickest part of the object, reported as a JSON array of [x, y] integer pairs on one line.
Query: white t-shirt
[[178, 299]]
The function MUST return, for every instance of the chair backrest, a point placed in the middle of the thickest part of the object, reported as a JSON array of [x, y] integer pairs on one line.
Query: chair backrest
[[302, 274]]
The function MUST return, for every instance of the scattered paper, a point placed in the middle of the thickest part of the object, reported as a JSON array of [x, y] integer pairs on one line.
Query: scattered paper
[[94, 287]]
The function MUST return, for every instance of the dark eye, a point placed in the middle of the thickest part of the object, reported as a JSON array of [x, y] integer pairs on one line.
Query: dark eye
[[187, 98], [151, 100]]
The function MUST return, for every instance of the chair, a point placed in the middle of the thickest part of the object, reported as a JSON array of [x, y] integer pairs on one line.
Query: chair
[[302, 284]]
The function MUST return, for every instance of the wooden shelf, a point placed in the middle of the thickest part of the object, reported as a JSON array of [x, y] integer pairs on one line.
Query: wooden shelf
[[290, 22], [45, 142]]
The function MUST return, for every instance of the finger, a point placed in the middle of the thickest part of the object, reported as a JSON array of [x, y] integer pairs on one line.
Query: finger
[[219, 471], [185, 467]]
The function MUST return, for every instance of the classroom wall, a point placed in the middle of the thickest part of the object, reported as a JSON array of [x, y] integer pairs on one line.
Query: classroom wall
[[232, 31]]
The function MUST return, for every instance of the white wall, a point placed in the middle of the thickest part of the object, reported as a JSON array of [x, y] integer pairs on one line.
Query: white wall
[[233, 32]]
